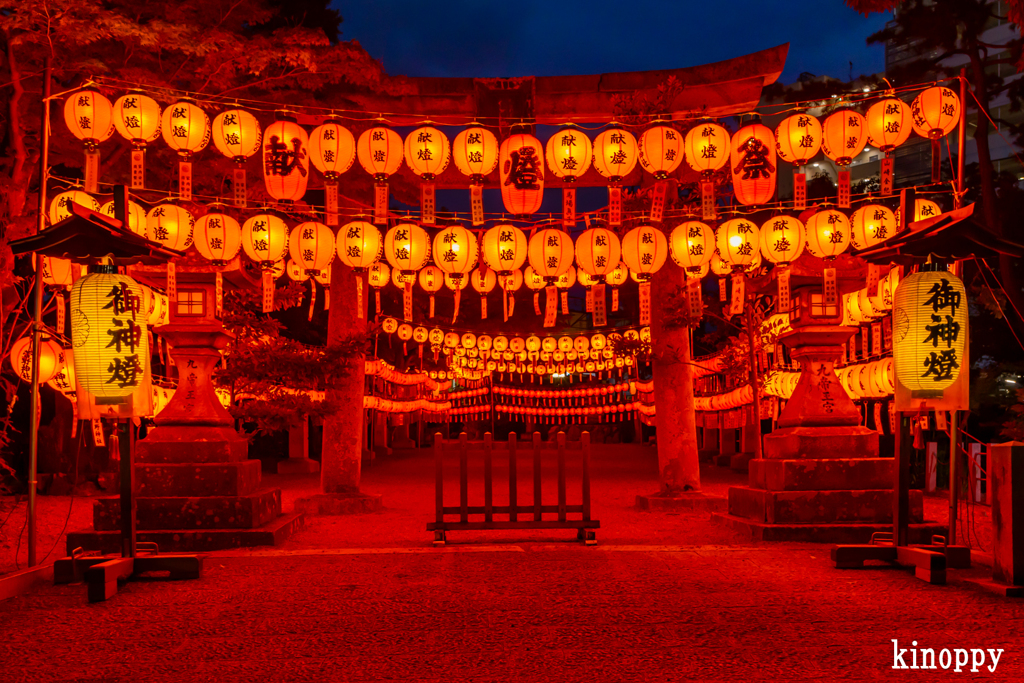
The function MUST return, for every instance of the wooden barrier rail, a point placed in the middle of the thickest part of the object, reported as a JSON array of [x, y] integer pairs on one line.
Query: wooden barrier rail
[[517, 516]]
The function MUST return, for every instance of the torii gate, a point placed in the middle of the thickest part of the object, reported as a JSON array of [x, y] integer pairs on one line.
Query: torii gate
[[719, 89]]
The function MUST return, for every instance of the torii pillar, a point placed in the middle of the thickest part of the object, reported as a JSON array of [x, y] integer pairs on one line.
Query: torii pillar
[[342, 452]]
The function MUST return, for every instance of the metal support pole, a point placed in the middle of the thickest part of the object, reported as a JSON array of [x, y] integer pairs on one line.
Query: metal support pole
[[960, 136], [37, 319], [901, 486], [753, 339], [954, 447]]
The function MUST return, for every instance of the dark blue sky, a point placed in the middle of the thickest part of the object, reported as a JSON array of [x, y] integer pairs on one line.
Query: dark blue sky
[[485, 38]]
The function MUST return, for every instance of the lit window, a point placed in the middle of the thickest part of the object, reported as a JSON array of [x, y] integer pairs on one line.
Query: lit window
[[191, 302]]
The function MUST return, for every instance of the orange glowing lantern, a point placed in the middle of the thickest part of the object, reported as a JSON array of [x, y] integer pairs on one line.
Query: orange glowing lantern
[[170, 225], [475, 152], [137, 119], [782, 241], [504, 248], [568, 154], [265, 241], [707, 150], [136, 216], [844, 135], [455, 253], [598, 252], [311, 245], [285, 159], [218, 237], [237, 135], [923, 209], [797, 140], [660, 151], [521, 165], [828, 234], [550, 253], [738, 241], [380, 154], [889, 124], [753, 164], [431, 279], [935, 112], [483, 280], [377, 275], [60, 206], [56, 272], [332, 149], [359, 245], [616, 152], [427, 151], [644, 251], [870, 225], [407, 249], [186, 130], [90, 118], [51, 358], [691, 245]]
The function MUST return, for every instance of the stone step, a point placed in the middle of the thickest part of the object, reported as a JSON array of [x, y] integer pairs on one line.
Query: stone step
[[819, 507], [821, 474], [211, 512], [198, 479], [843, 533], [192, 540], [197, 444]]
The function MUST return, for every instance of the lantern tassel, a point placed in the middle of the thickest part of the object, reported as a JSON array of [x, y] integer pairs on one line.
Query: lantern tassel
[[92, 171], [427, 204], [359, 297], [238, 187], [799, 189], [614, 205], [185, 180], [376, 297], [645, 303], [536, 303], [407, 302], [458, 299], [504, 301], [431, 306], [483, 307], [331, 202]]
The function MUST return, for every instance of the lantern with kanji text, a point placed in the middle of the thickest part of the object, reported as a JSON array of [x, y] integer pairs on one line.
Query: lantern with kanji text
[[644, 251], [521, 167], [51, 358], [379, 150], [186, 130], [90, 118], [137, 119], [870, 225], [889, 125], [616, 152], [504, 248], [797, 140], [237, 135], [568, 153], [136, 216], [265, 241], [707, 150], [782, 241], [427, 152], [170, 225], [754, 165], [844, 135], [475, 152], [218, 237], [60, 205], [311, 245], [332, 149], [285, 159]]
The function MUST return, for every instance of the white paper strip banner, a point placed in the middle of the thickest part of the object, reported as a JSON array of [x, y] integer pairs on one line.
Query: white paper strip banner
[[887, 169], [268, 291], [738, 293], [185, 180], [799, 190], [59, 299], [172, 284], [844, 189], [782, 275], [360, 306], [723, 289], [428, 204], [831, 290], [614, 205], [645, 303], [238, 186], [599, 305], [483, 308], [565, 302], [476, 203], [331, 202], [138, 169], [380, 203], [407, 302], [92, 171], [219, 293], [569, 207], [707, 200], [590, 300], [551, 309], [97, 433]]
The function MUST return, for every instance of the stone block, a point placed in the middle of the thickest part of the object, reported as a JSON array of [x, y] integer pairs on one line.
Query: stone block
[[794, 443], [686, 500], [740, 462], [822, 474], [297, 466], [192, 540], [209, 512], [179, 444], [339, 503], [197, 479], [844, 533], [818, 507]]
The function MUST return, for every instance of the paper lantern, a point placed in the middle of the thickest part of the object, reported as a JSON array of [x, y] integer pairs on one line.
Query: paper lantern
[[483, 280], [332, 149], [186, 130], [521, 166], [51, 358], [798, 138], [844, 135], [660, 150], [566, 279], [782, 239], [870, 225], [311, 245], [935, 112], [618, 276], [56, 272], [598, 252], [923, 208], [427, 152], [137, 119], [237, 135], [475, 152], [568, 153], [60, 205], [218, 237], [407, 247], [109, 334], [359, 245], [615, 153], [533, 280], [929, 330], [738, 241], [754, 165], [431, 279], [64, 381], [828, 234], [719, 266], [889, 124], [586, 279], [455, 250], [285, 159], [644, 250], [295, 272], [136, 216], [504, 248], [380, 152], [550, 253], [707, 147], [170, 225], [377, 275], [90, 118], [400, 279], [456, 284], [265, 238]]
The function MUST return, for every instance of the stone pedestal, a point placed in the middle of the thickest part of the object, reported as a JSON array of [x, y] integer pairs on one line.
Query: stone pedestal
[[298, 461], [820, 478], [196, 489]]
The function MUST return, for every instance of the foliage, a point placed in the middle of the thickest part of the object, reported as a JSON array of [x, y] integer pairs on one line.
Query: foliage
[[275, 381]]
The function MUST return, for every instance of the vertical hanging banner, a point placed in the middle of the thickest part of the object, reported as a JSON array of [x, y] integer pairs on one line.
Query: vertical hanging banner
[[879, 427], [723, 289], [97, 432], [407, 301], [92, 171], [589, 303], [645, 302], [551, 307], [536, 303], [831, 290], [615, 299], [268, 291], [483, 307], [380, 203], [59, 299], [476, 203], [782, 275], [844, 189], [738, 294], [185, 180], [614, 205], [569, 207], [598, 305], [658, 201], [707, 200], [219, 294], [238, 186], [876, 337], [360, 306], [428, 204], [565, 302], [874, 274], [887, 168], [172, 284], [138, 169], [511, 304], [312, 298], [799, 190], [331, 202], [458, 300], [694, 298]]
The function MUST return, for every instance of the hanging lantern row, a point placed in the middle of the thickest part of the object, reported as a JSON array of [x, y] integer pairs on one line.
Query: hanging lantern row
[[521, 158], [561, 394], [540, 368], [392, 406], [608, 413], [876, 379]]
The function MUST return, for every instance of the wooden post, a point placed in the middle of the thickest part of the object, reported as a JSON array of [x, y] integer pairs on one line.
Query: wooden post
[[901, 492], [463, 478], [439, 476], [585, 440], [954, 472], [488, 476], [127, 481], [536, 477], [561, 475], [513, 503]]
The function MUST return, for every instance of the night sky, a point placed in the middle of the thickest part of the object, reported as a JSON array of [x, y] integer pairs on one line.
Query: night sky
[[529, 38]]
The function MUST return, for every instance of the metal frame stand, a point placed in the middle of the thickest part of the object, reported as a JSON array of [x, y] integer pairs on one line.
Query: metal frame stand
[[928, 561]]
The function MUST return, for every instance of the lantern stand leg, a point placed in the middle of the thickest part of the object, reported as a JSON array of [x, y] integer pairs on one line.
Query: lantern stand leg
[[929, 562]]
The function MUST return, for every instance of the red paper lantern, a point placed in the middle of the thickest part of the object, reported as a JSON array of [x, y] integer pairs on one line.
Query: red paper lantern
[[504, 248], [889, 124], [521, 160], [798, 138], [845, 134], [550, 253], [644, 250], [754, 165], [311, 245], [935, 112], [332, 149], [597, 252], [661, 150], [285, 159]]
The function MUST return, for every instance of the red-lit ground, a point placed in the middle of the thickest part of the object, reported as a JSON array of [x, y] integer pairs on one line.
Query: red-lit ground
[[661, 598]]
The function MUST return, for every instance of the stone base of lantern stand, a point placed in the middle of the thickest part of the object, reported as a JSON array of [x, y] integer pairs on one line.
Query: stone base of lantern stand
[[820, 478], [197, 489]]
